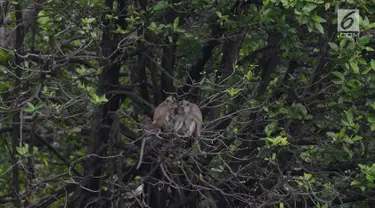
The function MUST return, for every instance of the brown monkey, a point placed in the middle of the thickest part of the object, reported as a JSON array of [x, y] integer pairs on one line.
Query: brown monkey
[[188, 119], [163, 114], [162, 119]]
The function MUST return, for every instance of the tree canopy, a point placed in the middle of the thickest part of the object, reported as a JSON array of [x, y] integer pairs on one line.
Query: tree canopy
[[288, 103]]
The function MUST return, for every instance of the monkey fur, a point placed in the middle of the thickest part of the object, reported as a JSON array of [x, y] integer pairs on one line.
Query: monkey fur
[[162, 118], [188, 119]]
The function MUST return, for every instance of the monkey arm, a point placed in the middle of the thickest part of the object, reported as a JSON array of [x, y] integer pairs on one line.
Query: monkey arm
[[198, 129], [191, 127], [178, 125], [160, 123]]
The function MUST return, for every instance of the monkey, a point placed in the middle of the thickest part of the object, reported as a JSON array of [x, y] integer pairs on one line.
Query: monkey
[[188, 119], [179, 125], [162, 120], [163, 114]]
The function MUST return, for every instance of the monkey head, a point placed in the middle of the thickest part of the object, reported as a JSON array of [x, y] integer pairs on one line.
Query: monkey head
[[171, 102], [182, 108], [163, 114]]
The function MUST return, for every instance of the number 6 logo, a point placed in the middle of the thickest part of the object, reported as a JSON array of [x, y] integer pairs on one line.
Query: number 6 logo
[[348, 20]]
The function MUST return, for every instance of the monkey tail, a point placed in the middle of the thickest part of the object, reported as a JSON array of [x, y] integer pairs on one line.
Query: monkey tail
[[141, 154]]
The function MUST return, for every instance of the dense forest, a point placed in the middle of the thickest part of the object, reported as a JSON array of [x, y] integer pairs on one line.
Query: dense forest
[[287, 100]]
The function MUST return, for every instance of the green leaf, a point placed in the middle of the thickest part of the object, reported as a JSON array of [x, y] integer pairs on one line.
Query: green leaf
[[333, 45], [364, 39], [318, 19], [216, 170], [160, 5], [43, 20], [15, 2], [5, 56], [349, 117], [369, 49], [339, 75], [282, 18], [348, 140], [249, 75], [354, 84], [95, 97], [331, 134], [357, 138], [179, 30], [371, 119], [367, 70], [309, 7], [218, 14], [301, 108], [327, 5], [30, 105], [331, 104], [319, 27], [233, 92], [369, 26], [271, 127], [278, 141], [355, 67], [342, 132], [372, 63], [284, 110], [370, 178], [152, 25], [176, 22], [363, 188], [102, 99], [343, 42], [23, 150], [29, 110], [365, 21], [348, 150], [307, 176], [195, 1], [355, 182]]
